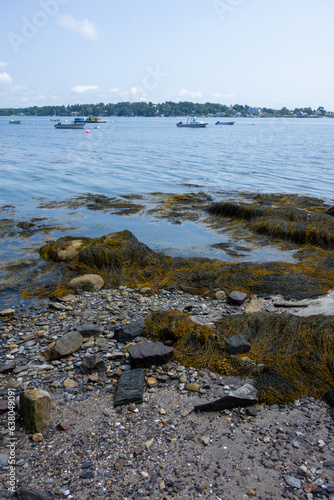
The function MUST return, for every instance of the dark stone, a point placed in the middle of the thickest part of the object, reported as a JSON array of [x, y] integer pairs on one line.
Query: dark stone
[[146, 354], [236, 298], [242, 397], [237, 344], [128, 332], [7, 367], [130, 387], [87, 475], [329, 397], [29, 493], [91, 364], [3, 405], [89, 330]]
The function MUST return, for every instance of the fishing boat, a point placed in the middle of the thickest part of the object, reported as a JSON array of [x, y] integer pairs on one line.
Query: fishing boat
[[224, 123], [74, 125], [90, 119], [15, 122], [192, 123]]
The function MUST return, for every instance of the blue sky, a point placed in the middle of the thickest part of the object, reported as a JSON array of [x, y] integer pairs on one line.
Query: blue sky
[[271, 53]]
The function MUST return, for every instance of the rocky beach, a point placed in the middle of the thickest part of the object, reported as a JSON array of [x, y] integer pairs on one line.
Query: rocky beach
[[159, 448]]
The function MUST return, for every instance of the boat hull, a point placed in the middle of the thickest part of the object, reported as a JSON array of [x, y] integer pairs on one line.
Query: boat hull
[[70, 125], [192, 125], [225, 123]]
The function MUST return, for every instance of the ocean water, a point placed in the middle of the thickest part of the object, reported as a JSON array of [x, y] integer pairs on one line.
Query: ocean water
[[40, 164], [141, 155]]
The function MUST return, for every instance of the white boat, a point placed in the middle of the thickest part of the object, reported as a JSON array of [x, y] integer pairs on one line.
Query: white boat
[[75, 125], [192, 123], [15, 122], [224, 123]]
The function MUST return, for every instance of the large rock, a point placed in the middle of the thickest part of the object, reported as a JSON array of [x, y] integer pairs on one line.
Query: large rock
[[29, 493], [130, 387], [35, 407], [88, 282], [242, 397], [67, 344], [146, 354], [236, 298], [237, 344], [127, 333]]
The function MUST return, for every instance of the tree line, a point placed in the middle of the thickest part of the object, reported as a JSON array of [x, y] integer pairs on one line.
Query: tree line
[[167, 108]]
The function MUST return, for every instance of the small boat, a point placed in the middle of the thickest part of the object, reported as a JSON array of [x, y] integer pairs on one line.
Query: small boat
[[224, 123], [15, 122], [192, 123], [75, 125]]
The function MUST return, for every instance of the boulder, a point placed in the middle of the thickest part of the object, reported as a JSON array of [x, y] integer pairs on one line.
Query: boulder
[[146, 354], [67, 344], [89, 330], [236, 298], [237, 344], [126, 333], [88, 282], [242, 397], [35, 407], [130, 388]]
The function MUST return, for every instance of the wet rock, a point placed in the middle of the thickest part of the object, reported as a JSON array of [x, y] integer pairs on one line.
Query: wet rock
[[293, 481], [130, 387], [91, 364], [236, 298], [128, 332], [242, 397], [67, 344], [35, 407], [146, 354], [237, 344], [88, 282]]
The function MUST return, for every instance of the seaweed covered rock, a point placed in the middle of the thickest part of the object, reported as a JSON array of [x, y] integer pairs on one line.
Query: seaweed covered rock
[[296, 352], [193, 344]]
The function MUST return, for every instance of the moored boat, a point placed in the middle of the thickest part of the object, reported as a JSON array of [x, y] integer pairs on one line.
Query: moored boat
[[192, 123], [224, 123], [15, 122], [73, 125]]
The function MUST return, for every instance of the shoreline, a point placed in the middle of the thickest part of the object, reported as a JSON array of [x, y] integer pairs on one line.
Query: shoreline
[[159, 449]]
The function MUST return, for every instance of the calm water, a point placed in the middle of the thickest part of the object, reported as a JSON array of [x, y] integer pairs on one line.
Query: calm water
[[135, 155], [144, 155]]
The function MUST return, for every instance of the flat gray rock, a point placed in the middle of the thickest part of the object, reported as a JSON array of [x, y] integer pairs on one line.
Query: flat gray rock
[[130, 387], [242, 397], [146, 354]]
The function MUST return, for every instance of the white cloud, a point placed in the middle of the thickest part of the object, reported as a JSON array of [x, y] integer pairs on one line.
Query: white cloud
[[225, 96], [84, 27], [114, 90], [79, 89], [3, 64], [187, 93], [5, 78]]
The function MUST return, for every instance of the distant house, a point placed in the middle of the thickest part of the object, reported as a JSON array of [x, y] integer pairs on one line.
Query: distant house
[[300, 114]]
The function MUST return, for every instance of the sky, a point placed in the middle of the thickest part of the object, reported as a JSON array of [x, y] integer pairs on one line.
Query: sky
[[266, 53]]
